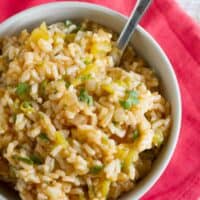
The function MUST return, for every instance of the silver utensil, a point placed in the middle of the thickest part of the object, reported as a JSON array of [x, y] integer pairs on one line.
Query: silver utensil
[[7, 192], [129, 28]]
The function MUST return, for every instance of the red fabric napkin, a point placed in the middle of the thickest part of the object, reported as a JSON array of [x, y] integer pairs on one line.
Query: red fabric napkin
[[179, 36]]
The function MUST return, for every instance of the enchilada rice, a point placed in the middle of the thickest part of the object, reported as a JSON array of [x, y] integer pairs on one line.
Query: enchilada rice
[[72, 125]]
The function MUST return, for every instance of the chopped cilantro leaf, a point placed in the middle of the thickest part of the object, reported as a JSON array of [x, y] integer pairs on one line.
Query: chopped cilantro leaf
[[135, 134], [36, 160], [132, 99], [96, 169], [86, 77], [85, 97], [24, 159], [67, 84], [43, 136], [22, 89], [42, 88]]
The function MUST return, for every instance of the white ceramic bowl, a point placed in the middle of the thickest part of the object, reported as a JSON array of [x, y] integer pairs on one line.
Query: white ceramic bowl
[[144, 44]]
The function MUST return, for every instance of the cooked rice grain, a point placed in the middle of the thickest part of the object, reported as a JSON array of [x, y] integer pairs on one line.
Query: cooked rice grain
[[72, 125]]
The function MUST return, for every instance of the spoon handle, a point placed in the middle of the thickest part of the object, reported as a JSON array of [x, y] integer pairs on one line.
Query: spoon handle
[[136, 15]]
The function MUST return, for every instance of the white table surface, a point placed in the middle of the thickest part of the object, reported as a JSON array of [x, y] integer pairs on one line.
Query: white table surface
[[192, 7]]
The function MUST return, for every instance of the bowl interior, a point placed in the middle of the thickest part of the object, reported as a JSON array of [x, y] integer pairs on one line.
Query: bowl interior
[[144, 45]]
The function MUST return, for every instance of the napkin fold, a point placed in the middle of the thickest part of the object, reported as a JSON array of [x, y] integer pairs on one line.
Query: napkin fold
[[179, 36]]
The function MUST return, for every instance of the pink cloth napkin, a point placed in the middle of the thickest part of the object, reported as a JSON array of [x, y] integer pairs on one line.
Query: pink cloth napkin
[[179, 36]]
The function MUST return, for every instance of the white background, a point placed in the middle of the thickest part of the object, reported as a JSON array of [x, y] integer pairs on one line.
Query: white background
[[192, 7]]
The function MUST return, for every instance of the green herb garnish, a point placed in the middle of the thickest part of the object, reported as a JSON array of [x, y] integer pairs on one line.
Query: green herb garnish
[[132, 99], [24, 159], [85, 97], [36, 160], [22, 89], [135, 134], [29, 160], [78, 27], [14, 117], [86, 77], [67, 84], [96, 169], [43, 86], [126, 104], [87, 60], [105, 139], [43, 136], [26, 106]]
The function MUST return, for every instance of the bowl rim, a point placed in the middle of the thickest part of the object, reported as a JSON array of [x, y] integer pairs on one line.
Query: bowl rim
[[172, 143]]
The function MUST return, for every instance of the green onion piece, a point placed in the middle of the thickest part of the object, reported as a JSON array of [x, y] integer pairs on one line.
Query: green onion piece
[[134, 96], [26, 104], [27, 107], [135, 134], [86, 77], [29, 160], [67, 84], [24, 159], [36, 160], [42, 88], [43, 136], [126, 104], [104, 140], [22, 89], [96, 169], [85, 97], [87, 61], [132, 99], [68, 23], [115, 123], [14, 117]]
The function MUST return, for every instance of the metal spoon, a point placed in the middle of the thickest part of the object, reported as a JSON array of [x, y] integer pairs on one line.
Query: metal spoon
[[129, 28]]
